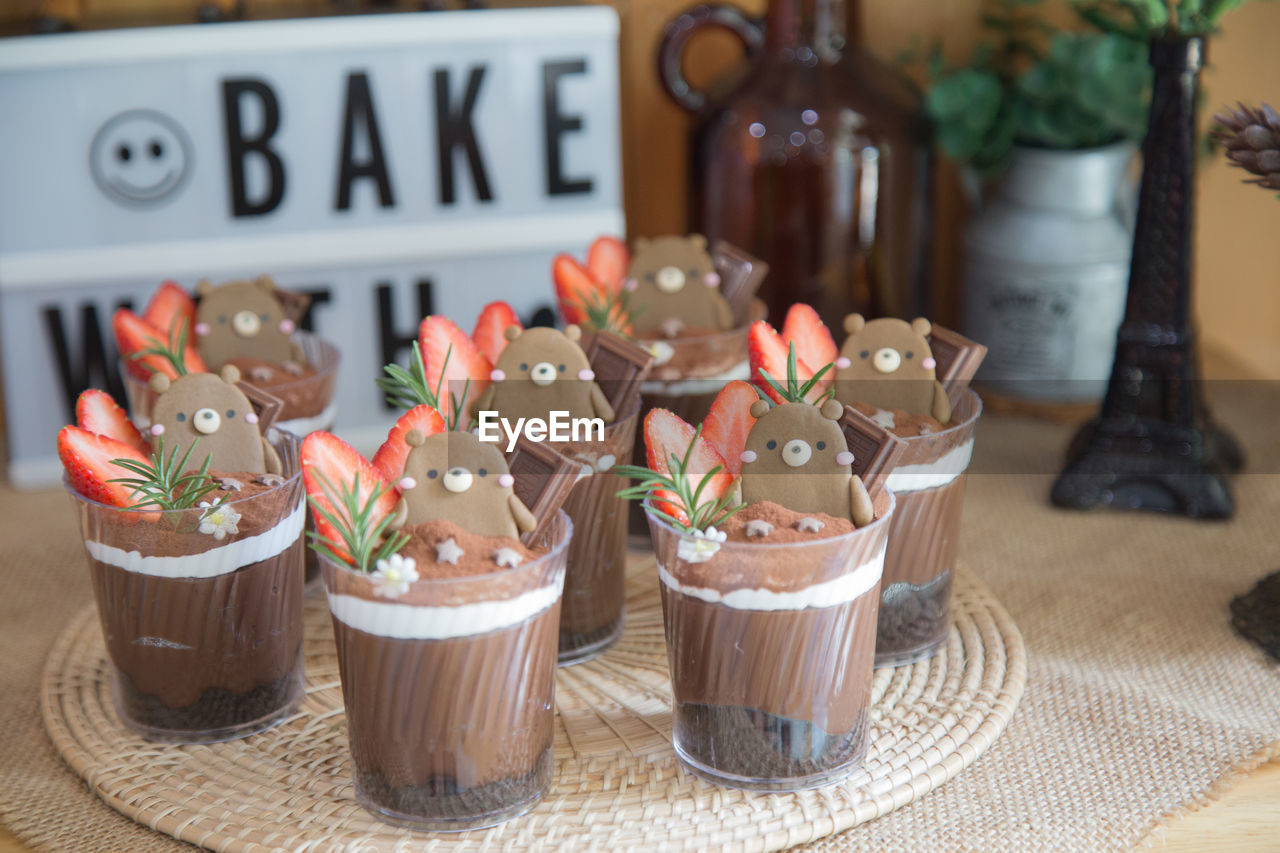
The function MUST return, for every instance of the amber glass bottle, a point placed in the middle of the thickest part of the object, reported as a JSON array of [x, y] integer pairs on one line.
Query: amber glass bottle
[[817, 162]]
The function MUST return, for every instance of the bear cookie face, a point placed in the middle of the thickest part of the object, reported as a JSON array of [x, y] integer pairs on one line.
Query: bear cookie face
[[674, 284], [543, 370], [456, 477], [209, 411], [796, 456], [888, 363], [243, 319]]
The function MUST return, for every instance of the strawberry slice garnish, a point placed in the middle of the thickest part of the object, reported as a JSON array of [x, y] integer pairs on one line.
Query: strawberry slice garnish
[[667, 435], [575, 288], [170, 305], [134, 334], [323, 453], [441, 340], [608, 261], [729, 421], [97, 412], [814, 344], [490, 333], [391, 456], [766, 350], [86, 457]]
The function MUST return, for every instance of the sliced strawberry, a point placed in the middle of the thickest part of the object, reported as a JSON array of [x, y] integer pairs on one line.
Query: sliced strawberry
[[667, 435], [168, 306], [490, 334], [814, 344], [766, 351], [86, 457], [97, 412], [325, 454], [441, 340], [391, 456], [134, 334], [729, 421], [575, 288], [608, 261]]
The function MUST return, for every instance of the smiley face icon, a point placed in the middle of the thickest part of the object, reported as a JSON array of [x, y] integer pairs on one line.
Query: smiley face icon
[[140, 157]]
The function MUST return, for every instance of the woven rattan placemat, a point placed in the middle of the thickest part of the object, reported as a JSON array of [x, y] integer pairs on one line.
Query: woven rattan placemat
[[618, 784]]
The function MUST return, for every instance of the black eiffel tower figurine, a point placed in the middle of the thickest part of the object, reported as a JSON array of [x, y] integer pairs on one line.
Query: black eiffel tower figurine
[[1154, 445]]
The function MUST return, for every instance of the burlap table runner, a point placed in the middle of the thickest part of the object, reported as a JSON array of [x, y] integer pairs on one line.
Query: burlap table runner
[[1140, 701]]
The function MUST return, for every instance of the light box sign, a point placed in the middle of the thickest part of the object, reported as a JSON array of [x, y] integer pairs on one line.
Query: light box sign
[[392, 165]]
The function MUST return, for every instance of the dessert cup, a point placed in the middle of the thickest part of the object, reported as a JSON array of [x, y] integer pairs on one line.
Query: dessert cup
[[308, 405], [595, 580], [771, 649], [450, 689], [204, 634], [687, 381], [915, 597]]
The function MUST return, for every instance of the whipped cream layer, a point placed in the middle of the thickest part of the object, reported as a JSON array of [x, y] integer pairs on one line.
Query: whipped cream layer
[[418, 622], [221, 560], [304, 426], [700, 385], [830, 593], [931, 475]]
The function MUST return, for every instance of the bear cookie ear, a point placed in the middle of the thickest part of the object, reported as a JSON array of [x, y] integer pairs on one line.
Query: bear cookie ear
[[203, 287], [640, 243], [759, 408], [159, 383], [230, 374], [921, 327], [572, 332], [854, 323], [832, 410], [266, 282], [512, 332], [415, 438], [698, 240]]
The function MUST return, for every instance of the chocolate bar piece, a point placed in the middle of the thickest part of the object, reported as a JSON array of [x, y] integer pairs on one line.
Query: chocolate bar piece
[[620, 366], [543, 480], [266, 405], [294, 304], [740, 274], [875, 450], [958, 357]]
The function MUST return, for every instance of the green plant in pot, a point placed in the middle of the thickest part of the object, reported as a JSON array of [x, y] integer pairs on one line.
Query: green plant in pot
[[1047, 119]]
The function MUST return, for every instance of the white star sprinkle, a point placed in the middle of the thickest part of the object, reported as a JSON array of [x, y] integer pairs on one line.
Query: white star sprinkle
[[758, 527], [449, 552], [508, 558], [808, 525]]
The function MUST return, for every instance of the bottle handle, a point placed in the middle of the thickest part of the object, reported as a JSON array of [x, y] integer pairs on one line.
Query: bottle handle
[[681, 28]]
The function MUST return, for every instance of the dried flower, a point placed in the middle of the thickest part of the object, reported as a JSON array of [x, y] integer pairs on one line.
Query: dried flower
[[700, 545], [218, 519], [393, 575]]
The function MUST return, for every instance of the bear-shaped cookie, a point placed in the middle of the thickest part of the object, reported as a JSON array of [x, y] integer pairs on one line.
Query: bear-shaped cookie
[[888, 363], [796, 456], [209, 411], [453, 475], [674, 284], [540, 371], [244, 319]]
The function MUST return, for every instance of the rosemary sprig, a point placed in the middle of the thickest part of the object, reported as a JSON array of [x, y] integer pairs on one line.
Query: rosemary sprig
[[701, 515], [406, 388], [165, 482], [796, 391], [609, 310], [173, 351], [363, 545]]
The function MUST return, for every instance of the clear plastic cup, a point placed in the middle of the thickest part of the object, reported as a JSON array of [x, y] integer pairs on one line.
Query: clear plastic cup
[[915, 593], [591, 616], [204, 634], [450, 689], [770, 649]]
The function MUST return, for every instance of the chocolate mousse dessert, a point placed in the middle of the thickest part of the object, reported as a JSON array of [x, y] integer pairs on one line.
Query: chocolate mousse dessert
[[888, 374], [769, 605], [196, 568], [445, 623]]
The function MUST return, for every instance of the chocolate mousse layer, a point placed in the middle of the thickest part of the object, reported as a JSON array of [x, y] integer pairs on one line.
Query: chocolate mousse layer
[[453, 728], [770, 643], [202, 658]]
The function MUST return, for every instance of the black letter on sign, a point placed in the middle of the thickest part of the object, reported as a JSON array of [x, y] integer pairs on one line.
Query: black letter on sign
[[454, 128], [389, 341], [239, 146], [360, 108], [557, 124], [93, 367]]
